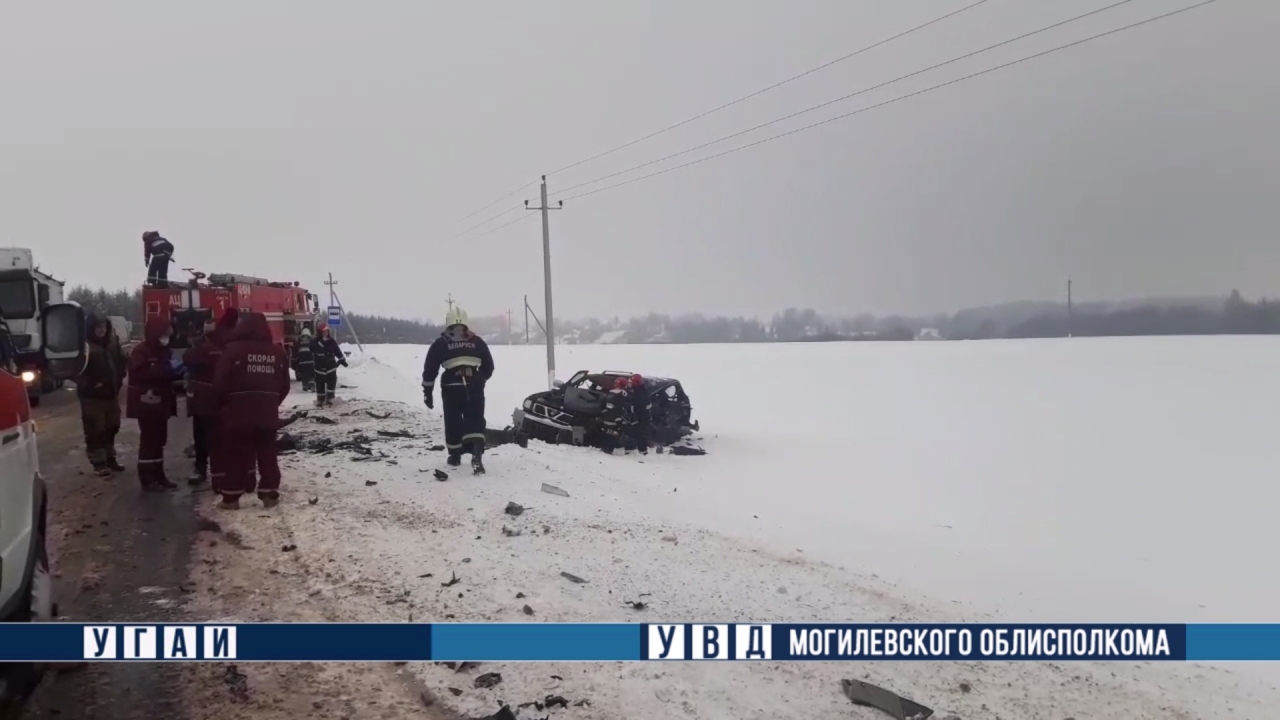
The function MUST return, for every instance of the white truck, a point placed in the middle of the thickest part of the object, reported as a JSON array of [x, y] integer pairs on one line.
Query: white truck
[[25, 292], [26, 586]]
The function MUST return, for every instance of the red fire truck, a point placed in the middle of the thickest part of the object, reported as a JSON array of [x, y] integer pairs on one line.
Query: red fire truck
[[288, 306]]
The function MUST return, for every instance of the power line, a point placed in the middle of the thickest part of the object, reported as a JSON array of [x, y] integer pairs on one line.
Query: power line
[[505, 224], [771, 87], [486, 222], [495, 202], [894, 100], [846, 97]]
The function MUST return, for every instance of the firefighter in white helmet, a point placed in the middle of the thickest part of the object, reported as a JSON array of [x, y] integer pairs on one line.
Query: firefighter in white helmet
[[463, 361]]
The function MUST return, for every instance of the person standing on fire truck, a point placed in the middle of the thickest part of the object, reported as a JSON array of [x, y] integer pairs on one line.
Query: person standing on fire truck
[[152, 401], [326, 356], [467, 365], [157, 253], [251, 380]]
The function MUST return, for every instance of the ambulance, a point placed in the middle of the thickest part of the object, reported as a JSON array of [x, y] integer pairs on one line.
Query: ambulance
[[26, 586]]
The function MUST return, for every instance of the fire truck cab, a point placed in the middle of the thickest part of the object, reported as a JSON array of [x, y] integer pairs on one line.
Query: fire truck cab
[[288, 306], [26, 586]]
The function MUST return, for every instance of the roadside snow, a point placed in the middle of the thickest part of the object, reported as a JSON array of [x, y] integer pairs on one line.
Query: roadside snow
[[917, 482]]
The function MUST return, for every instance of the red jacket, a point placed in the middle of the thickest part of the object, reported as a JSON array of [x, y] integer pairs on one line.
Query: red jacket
[[252, 376], [151, 377], [201, 361]]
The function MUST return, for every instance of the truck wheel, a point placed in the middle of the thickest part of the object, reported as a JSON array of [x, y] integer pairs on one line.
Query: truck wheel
[[34, 400]]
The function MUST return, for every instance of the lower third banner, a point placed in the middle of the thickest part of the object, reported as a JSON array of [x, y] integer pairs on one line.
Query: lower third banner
[[543, 642]]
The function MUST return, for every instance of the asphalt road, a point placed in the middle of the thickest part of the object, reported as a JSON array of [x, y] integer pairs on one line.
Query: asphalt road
[[119, 555]]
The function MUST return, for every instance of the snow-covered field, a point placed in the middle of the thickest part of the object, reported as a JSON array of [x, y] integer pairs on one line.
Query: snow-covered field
[[1080, 480]]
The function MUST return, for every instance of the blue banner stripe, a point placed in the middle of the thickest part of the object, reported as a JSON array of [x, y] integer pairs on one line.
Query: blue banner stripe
[[539, 642], [1233, 642]]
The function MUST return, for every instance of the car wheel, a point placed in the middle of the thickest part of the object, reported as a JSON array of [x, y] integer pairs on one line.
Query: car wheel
[[40, 606]]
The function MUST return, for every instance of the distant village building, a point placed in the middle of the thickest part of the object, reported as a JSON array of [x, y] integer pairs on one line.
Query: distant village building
[[928, 334]]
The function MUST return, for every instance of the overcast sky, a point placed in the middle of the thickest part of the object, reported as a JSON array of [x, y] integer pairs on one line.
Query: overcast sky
[[290, 139]]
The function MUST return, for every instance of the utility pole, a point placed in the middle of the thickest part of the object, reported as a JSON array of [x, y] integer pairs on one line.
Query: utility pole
[[526, 319], [546, 276], [508, 325], [1070, 316], [332, 295], [450, 301]]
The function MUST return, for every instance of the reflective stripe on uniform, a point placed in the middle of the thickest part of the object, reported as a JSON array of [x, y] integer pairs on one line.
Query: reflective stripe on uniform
[[473, 436], [461, 361]]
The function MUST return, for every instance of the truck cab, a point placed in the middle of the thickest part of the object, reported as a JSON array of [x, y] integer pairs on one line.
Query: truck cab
[[25, 291], [26, 586]]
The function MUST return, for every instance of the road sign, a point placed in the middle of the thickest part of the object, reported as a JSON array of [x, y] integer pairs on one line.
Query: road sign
[[335, 316]]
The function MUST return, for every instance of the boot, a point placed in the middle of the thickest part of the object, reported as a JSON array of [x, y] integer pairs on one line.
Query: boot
[[455, 459], [229, 502], [147, 477], [163, 480], [114, 465], [101, 470], [477, 451], [269, 499], [199, 477]]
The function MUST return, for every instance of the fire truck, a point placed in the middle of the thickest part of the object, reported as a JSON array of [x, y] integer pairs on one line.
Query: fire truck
[[26, 585], [288, 306]]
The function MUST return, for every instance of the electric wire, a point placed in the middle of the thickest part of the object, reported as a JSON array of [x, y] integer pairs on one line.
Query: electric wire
[[771, 87], [495, 202], [490, 231], [894, 100], [841, 99], [486, 222]]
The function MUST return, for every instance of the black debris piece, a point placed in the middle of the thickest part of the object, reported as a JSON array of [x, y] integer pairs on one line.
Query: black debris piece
[[426, 575], [207, 525], [454, 581], [520, 596], [513, 509], [868, 695], [370, 483], [441, 475], [528, 610], [288, 548], [328, 475], [465, 666], [324, 420], [636, 604], [286, 443], [555, 701], [572, 578], [582, 703], [686, 450], [427, 698], [313, 500], [504, 713], [376, 416], [966, 687], [395, 433], [436, 448], [511, 533], [488, 680], [556, 677], [392, 462], [456, 692]]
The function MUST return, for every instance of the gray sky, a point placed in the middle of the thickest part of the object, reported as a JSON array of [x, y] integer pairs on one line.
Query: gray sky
[[288, 139]]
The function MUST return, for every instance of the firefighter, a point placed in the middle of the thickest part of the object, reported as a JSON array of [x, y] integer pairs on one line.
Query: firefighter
[[251, 380], [152, 401], [98, 387], [202, 402], [157, 253], [326, 357], [304, 361], [467, 365]]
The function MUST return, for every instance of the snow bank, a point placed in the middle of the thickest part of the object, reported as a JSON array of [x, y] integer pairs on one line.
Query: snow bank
[[1056, 481]]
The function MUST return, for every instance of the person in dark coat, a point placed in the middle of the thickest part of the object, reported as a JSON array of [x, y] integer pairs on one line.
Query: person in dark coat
[[202, 403], [157, 253], [152, 401], [251, 380], [464, 363], [327, 357], [98, 388], [641, 411], [304, 361]]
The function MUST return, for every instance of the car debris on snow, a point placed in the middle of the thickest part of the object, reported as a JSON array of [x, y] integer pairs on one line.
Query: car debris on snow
[[324, 420], [868, 695], [456, 692], [488, 680], [395, 433], [635, 604], [554, 490], [376, 416], [454, 581], [687, 450], [511, 533], [527, 610], [436, 448], [313, 500], [513, 509], [572, 578], [441, 475], [370, 483], [288, 548]]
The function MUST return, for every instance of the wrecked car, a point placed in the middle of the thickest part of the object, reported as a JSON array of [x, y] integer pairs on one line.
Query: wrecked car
[[582, 411]]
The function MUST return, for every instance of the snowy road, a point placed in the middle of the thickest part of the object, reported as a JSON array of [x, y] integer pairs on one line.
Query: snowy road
[[751, 532]]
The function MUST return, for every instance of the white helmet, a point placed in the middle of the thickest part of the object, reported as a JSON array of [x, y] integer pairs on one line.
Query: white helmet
[[306, 332], [455, 316]]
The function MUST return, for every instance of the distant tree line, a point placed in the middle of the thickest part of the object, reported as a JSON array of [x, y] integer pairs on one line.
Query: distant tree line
[[1188, 316]]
